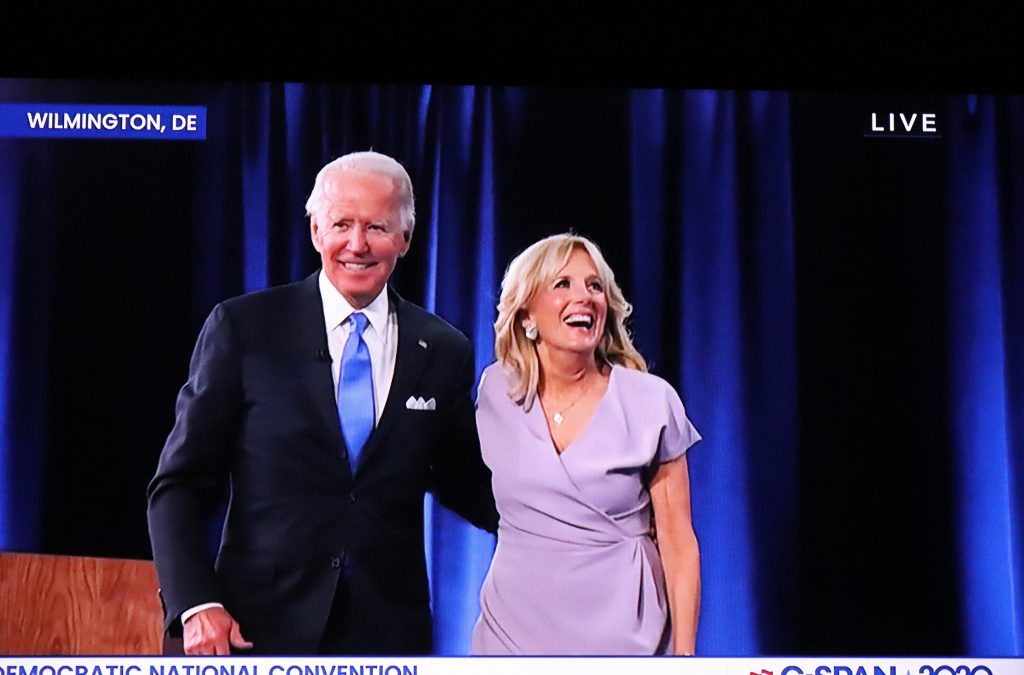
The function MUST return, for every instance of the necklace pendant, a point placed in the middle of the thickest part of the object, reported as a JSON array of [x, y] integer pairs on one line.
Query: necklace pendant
[[557, 417]]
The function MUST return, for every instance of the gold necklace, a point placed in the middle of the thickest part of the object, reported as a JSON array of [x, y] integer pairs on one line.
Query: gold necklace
[[559, 416]]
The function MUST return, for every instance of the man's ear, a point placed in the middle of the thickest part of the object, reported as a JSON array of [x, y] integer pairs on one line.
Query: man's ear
[[407, 237], [314, 231]]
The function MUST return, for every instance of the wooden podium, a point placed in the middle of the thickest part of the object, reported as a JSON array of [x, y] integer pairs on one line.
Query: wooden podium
[[73, 605]]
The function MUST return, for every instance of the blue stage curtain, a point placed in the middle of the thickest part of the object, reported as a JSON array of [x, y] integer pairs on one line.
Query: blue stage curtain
[[714, 314], [26, 320], [986, 327], [17, 530]]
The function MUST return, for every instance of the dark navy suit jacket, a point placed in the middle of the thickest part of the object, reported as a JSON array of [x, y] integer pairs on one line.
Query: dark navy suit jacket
[[258, 414]]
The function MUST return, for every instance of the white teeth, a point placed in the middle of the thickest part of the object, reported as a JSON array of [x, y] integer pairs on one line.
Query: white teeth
[[579, 320], [357, 266]]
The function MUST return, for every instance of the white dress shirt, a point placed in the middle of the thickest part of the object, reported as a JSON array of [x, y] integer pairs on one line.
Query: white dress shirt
[[381, 337]]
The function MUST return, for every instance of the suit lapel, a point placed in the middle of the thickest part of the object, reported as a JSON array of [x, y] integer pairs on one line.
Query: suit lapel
[[317, 374], [412, 358]]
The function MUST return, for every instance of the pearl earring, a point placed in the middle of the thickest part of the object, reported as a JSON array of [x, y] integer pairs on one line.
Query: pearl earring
[[531, 331]]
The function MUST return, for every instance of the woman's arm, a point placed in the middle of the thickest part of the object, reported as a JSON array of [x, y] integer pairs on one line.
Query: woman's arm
[[680, 556]]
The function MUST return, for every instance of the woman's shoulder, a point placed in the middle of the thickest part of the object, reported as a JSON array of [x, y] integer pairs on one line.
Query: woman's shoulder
[[651, 397], [495, 378], [642, 381], [646, 391], [494, 373]]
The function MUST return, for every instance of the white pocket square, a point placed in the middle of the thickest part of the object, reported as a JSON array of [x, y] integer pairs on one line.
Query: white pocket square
[[417, 403]]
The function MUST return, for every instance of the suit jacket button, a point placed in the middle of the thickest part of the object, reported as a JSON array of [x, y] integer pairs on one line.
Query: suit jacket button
[[335, 563], [344, 455], [351, 498]]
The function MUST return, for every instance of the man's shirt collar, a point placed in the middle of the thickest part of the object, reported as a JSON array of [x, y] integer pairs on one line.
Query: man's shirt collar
[[337, 309]]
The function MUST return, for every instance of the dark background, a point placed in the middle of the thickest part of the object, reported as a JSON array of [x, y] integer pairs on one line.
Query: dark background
[[745, 45]]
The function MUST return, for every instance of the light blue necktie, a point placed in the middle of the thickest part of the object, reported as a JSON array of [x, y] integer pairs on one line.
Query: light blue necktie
[[355, 391]]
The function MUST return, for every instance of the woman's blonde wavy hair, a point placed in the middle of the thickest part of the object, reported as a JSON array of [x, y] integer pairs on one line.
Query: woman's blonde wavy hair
[[527, 272]]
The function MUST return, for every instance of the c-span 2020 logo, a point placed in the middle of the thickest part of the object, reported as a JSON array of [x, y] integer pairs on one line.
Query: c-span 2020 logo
[[924, 669]]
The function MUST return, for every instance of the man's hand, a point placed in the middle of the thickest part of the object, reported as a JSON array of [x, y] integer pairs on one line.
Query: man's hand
[[209, 632]]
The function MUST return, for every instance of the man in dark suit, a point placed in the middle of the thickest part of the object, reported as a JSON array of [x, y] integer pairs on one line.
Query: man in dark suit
[[329, 406]]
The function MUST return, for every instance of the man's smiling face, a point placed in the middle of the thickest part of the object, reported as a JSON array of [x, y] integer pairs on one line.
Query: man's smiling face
[[358, 233]]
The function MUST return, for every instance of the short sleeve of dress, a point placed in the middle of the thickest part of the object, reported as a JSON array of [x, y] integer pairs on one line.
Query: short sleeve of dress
[[679, 433]]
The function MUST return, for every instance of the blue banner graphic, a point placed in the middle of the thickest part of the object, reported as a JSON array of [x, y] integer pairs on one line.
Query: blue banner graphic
[[130, 122]]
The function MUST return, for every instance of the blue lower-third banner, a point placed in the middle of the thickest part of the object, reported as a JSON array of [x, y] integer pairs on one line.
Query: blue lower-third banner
[[390, 665], [114, 121]]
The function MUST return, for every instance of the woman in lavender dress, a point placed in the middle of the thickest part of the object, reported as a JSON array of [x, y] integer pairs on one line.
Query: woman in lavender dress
[[583, 445]]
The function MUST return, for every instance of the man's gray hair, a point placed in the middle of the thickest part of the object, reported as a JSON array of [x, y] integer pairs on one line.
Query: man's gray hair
[[375, 163]]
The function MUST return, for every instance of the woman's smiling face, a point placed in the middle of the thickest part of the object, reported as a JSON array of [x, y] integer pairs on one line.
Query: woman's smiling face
[[570, 309]]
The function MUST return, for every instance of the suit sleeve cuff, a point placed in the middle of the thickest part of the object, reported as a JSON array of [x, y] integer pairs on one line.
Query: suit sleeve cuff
[[189, 613]]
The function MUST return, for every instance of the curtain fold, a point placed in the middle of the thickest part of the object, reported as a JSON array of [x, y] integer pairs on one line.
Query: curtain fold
[[715, 317], [985, 319]]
